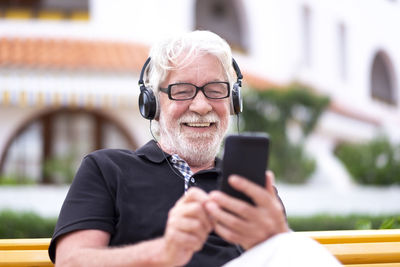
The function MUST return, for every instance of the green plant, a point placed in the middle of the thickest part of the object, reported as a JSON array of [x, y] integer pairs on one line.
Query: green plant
[[363, 224], [25, 225], [15, 224], [387, 223], [374, 163], [278, 111], [391, 223], [324, 222], [13, 179], [60, 169]]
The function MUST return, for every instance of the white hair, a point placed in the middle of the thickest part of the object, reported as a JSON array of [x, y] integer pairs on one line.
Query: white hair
[[180, 51]]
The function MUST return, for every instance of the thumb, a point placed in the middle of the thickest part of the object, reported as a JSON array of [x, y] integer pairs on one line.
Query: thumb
[[270, 182]]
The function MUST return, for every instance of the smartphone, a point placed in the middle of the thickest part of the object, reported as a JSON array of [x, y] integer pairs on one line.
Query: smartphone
[[246, 155]]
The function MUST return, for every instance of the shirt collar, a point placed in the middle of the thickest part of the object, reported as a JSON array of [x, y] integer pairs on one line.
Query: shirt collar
[[152, 152]]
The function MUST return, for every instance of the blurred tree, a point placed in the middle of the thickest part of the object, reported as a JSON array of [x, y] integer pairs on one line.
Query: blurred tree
[[61, 169], [376, 162], [288, 115]]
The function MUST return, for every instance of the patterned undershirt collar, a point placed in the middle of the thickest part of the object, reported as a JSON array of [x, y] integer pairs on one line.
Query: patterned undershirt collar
[[183, 168]]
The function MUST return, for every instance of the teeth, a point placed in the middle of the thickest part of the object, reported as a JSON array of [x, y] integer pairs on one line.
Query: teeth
[[199, 124]]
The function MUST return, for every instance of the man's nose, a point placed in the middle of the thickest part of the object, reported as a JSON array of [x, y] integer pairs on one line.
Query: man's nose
[[200, 104]]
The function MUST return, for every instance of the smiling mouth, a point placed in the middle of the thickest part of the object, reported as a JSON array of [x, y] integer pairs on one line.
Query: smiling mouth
[[199, 124]]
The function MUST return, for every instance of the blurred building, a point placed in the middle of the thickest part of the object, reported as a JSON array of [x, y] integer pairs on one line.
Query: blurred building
[[69, 69]]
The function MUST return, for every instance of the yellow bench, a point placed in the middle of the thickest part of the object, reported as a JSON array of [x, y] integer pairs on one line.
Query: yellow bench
[[373, 248], [25, 252]]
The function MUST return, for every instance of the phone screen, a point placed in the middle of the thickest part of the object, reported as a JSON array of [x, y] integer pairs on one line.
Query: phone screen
[[247, 156]]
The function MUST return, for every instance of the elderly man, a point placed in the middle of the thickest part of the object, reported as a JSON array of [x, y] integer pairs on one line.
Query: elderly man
[[157, 206]]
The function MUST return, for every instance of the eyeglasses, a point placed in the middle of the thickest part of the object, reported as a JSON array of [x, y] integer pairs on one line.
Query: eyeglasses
[[187, 91]]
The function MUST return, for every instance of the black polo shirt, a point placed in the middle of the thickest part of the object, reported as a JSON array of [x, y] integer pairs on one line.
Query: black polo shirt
[[128, 194]]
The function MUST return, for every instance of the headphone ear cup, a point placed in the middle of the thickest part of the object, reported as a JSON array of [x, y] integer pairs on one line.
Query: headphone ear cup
[[237, 102], [147, 103]]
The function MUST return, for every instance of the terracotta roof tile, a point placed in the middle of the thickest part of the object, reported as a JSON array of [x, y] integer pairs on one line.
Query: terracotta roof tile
[[351, 112], [257, 82], [71, 54]]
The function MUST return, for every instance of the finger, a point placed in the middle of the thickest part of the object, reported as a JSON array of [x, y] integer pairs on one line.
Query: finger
[[252, 190], [193, 210], [270, 182], [199, 196], [227, 234], [191, 226], [234, 205], [195, 194], [228, 219]]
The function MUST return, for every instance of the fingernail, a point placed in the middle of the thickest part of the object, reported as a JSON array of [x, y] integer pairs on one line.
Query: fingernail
[[234, 178]]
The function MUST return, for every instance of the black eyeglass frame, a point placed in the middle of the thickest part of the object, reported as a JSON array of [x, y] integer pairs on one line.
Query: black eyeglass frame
[[198, 88]]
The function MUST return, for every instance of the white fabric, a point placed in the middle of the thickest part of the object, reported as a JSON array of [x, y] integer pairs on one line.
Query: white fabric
[[288, 249]]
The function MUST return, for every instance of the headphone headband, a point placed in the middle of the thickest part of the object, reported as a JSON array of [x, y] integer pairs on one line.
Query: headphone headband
[[141, 81], [237, 71]]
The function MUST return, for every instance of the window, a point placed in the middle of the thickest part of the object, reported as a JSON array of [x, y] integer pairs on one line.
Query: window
[[306, 30], [23, 157], [50, 148], [342, 32], [223, 18], [382, 82], [45, 9]]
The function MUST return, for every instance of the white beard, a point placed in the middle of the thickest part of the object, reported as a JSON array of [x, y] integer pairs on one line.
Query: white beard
[[196, 149]]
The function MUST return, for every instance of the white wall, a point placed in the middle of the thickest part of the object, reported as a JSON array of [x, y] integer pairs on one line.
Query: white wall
[[275, 30], [275, 51]]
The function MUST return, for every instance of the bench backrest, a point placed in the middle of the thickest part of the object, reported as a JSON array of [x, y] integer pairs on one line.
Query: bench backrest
[[361, 247], [25, 252], [353, 248]]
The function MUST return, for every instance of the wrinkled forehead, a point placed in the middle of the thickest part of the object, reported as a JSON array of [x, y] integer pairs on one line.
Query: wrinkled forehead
[[198, 69]]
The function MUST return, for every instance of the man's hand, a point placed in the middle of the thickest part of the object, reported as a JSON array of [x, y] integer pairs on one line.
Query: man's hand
[[241, 223], [187, 227]]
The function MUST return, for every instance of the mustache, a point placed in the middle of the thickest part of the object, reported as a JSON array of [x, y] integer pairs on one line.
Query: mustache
[[196, 118]]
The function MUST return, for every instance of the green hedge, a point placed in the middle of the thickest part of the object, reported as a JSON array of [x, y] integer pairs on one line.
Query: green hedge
[[375, 163], [13, 179], [30, 225], [25, 225], [324, 222]]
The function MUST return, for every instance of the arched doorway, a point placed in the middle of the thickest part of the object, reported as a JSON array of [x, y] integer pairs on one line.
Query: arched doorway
[[382, 83], [49, 147]]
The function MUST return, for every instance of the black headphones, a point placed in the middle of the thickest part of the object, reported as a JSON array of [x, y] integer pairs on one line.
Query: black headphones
[[148, 104]]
